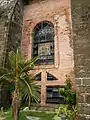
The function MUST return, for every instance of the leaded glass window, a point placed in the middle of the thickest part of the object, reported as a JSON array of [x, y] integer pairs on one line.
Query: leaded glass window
[[43, 43]]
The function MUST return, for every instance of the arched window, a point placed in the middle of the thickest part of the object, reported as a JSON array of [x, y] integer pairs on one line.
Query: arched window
[[43, 43]]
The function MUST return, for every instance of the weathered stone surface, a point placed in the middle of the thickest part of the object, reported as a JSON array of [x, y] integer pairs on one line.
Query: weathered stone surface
[[81, 37], [11, 17], [81, 118], [6, 8], [88, 89], [81, 89], [87, 98], [78, 82], [87, 110], [81, 98]]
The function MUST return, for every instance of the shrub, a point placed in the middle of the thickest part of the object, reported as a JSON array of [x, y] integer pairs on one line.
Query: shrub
[[69, 94], [64, 113], [68, 111]]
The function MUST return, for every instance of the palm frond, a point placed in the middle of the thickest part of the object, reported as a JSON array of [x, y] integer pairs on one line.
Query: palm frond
[[31, 92], [27, 65], [28, 89]]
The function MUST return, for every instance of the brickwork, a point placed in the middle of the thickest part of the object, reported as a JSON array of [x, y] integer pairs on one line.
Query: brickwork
[[81, 36], [58, 13]]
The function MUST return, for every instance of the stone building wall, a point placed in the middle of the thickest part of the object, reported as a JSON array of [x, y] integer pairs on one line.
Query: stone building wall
[[81, 38], [6, 8], [11, 18], [58, 13]]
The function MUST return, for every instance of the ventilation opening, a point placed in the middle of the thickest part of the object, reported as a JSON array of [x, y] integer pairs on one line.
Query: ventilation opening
[[51, 77], [38, 77]]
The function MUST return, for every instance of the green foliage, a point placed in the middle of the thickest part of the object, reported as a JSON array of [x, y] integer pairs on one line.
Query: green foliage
[[65, 113], [69, 110], [22, 115], [27, 88], [70, 96]]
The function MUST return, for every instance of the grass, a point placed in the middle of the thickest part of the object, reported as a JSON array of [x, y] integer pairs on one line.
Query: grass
[[22, 116]]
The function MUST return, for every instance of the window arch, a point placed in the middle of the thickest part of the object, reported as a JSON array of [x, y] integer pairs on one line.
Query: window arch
[[43, 43]]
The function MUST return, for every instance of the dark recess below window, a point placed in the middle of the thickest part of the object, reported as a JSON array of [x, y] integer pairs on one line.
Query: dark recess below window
[[53, 96]]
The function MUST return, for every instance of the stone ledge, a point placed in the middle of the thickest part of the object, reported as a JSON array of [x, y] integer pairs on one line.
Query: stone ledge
[[84, 104], [87, 116]]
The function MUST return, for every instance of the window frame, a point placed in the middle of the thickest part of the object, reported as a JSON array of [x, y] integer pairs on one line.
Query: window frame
[[51, 42]]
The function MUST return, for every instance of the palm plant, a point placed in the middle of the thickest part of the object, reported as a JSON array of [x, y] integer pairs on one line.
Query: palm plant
[[22, 81]]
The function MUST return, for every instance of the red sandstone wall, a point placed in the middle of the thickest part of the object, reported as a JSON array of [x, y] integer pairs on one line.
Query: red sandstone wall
[[58, 12]]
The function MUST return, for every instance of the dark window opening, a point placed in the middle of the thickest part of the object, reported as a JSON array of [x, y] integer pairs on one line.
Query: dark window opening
[[53, 96], [50, 77], [43, 43], [38, 77]]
